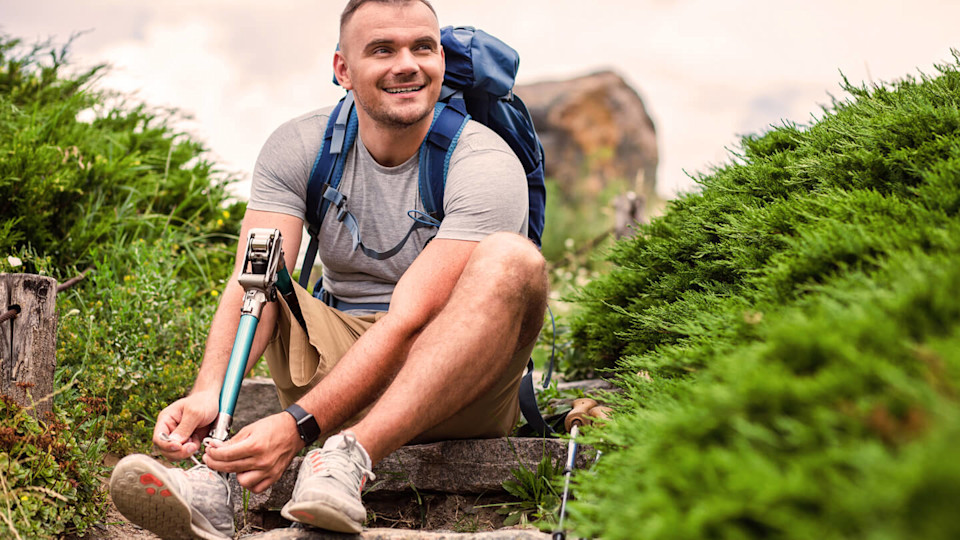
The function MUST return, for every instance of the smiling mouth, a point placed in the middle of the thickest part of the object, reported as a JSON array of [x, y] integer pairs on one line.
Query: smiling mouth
[[402, 90]]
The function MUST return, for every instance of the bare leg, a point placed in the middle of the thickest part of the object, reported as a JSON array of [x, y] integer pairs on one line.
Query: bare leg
[[495, 308]]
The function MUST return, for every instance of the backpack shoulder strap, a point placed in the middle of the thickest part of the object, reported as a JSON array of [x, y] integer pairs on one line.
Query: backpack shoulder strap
[[327, 171], [435, 154]]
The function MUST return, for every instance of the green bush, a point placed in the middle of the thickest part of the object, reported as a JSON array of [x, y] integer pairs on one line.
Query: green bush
[[88, 180], [81, 169], [788, 337]]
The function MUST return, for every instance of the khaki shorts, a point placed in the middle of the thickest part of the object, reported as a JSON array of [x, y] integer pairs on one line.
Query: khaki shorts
[[298, 362]]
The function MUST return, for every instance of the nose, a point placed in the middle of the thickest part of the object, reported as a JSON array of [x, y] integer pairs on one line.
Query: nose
[[405, 62]]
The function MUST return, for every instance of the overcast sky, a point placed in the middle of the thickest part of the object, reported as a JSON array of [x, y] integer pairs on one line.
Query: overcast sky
[[707, 70]]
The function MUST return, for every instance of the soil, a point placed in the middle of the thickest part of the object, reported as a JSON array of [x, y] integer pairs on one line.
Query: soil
[[418, 510], [114, 527]]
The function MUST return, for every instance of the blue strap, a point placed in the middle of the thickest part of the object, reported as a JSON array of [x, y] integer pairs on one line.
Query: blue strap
[[345, 216], [528, 405], [435, 154], [340, 134], [324, 296]]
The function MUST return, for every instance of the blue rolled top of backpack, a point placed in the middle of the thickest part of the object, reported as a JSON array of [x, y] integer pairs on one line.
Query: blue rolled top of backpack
[[478, 82], [478, 61]]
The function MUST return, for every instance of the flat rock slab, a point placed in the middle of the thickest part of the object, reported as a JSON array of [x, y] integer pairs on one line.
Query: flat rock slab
[[257, 399], [470, 466], [397, 534]]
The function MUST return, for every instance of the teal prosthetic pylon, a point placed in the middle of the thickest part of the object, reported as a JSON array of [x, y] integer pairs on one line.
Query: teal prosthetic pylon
[[263, 274]]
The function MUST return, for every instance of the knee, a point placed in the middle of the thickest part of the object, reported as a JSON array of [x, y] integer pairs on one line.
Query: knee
[[513, 258]]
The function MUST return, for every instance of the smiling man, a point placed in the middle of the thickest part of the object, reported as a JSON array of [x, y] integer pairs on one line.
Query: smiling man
[[466, 302]]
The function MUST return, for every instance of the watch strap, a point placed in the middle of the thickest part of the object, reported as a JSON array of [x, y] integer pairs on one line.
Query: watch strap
[[307, 426]]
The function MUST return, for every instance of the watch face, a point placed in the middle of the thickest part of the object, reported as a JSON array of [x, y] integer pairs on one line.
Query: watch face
[[308, 428]]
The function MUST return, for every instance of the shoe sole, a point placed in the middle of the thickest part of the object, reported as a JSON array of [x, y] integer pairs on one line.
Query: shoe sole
[[139, 489], [320, 515]]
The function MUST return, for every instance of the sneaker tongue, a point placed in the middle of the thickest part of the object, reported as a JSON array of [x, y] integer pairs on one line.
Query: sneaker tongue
[[346, 441]]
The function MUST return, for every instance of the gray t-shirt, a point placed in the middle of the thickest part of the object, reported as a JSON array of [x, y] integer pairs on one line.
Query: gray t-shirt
[[486, 192]]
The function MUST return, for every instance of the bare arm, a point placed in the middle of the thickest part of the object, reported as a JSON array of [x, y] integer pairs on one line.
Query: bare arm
[[261, 451]]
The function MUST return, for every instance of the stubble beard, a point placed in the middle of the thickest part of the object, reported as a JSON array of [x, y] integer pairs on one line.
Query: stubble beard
[[391, 118]]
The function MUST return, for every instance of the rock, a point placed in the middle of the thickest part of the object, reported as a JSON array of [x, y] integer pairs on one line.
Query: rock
[[455, 467], [596, 124], [589, 385], [257, 399]]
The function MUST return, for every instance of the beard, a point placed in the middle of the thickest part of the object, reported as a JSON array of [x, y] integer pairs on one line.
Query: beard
[[386, 115]]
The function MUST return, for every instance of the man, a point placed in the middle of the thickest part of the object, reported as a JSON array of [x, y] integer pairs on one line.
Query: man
[[445, 361]]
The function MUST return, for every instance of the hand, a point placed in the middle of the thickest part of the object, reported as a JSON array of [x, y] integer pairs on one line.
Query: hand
[[259, 453], [186, 422]]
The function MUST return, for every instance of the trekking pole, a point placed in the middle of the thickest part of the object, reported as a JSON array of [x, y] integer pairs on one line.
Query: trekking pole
[[584, 411], [263, 273]]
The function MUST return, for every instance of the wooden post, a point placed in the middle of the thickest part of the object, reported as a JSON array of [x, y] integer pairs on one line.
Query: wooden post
[[28, 341], [629, 210]]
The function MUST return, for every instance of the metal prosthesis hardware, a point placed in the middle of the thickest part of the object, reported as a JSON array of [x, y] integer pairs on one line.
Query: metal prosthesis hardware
[[262, 263]]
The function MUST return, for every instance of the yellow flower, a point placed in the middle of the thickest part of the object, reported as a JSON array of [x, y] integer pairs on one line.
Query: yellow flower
[[226, 214], [219, 223], [214, 293], [127, 277]]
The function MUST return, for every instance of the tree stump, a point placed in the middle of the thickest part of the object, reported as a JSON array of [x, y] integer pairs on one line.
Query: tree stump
[[28, 340]]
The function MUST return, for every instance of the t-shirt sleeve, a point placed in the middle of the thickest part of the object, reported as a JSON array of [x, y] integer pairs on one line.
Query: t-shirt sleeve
[[283, 167], [486, 190]]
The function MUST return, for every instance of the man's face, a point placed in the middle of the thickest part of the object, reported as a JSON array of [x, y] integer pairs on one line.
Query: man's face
[[392, 60]]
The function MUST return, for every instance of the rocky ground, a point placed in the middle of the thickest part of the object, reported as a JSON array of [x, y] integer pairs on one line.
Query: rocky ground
[[444, 490]]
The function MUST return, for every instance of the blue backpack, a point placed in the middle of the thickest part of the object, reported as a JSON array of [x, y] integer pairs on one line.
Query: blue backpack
[[477, 84]]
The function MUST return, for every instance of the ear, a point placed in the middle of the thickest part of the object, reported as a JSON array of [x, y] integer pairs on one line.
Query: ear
[[340, 70]]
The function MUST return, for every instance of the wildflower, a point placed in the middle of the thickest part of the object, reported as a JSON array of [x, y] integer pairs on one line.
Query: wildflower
[[214, 293], [226, 214], [14, 261], [219, 223], [127, 277]]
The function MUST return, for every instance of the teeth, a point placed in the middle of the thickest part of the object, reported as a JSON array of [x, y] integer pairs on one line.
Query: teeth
[[402, 90]]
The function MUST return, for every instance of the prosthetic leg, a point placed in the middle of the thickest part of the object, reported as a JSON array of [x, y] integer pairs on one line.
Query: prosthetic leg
[[262, 276]]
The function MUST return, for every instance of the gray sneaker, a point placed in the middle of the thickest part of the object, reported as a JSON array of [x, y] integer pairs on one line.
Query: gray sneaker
[[174, 504], [327, 493]]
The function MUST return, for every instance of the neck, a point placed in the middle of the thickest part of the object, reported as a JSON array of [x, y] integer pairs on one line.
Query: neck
[[391, 146]]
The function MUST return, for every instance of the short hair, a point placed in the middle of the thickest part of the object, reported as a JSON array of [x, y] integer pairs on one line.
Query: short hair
[[354, 5]]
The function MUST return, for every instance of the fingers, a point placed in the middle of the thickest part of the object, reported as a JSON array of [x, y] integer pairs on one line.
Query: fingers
[[190, 422], [181, 427], [257, 481], [170, 446], [259, 453], [238, 454]]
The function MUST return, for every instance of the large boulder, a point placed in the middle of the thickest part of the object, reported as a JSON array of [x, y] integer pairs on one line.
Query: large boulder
[[594, 129]]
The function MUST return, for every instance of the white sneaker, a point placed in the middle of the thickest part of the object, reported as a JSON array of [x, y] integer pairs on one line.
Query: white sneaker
[[329, 484], [174, 504]]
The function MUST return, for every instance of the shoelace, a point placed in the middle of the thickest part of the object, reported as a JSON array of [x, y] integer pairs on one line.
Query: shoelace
[[334, 464], [201, 469]]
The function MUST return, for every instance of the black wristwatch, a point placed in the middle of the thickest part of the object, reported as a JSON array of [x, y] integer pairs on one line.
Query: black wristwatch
[[306, 424]]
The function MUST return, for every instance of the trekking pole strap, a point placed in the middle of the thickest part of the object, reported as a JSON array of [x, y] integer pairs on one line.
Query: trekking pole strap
[[528, 405]]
